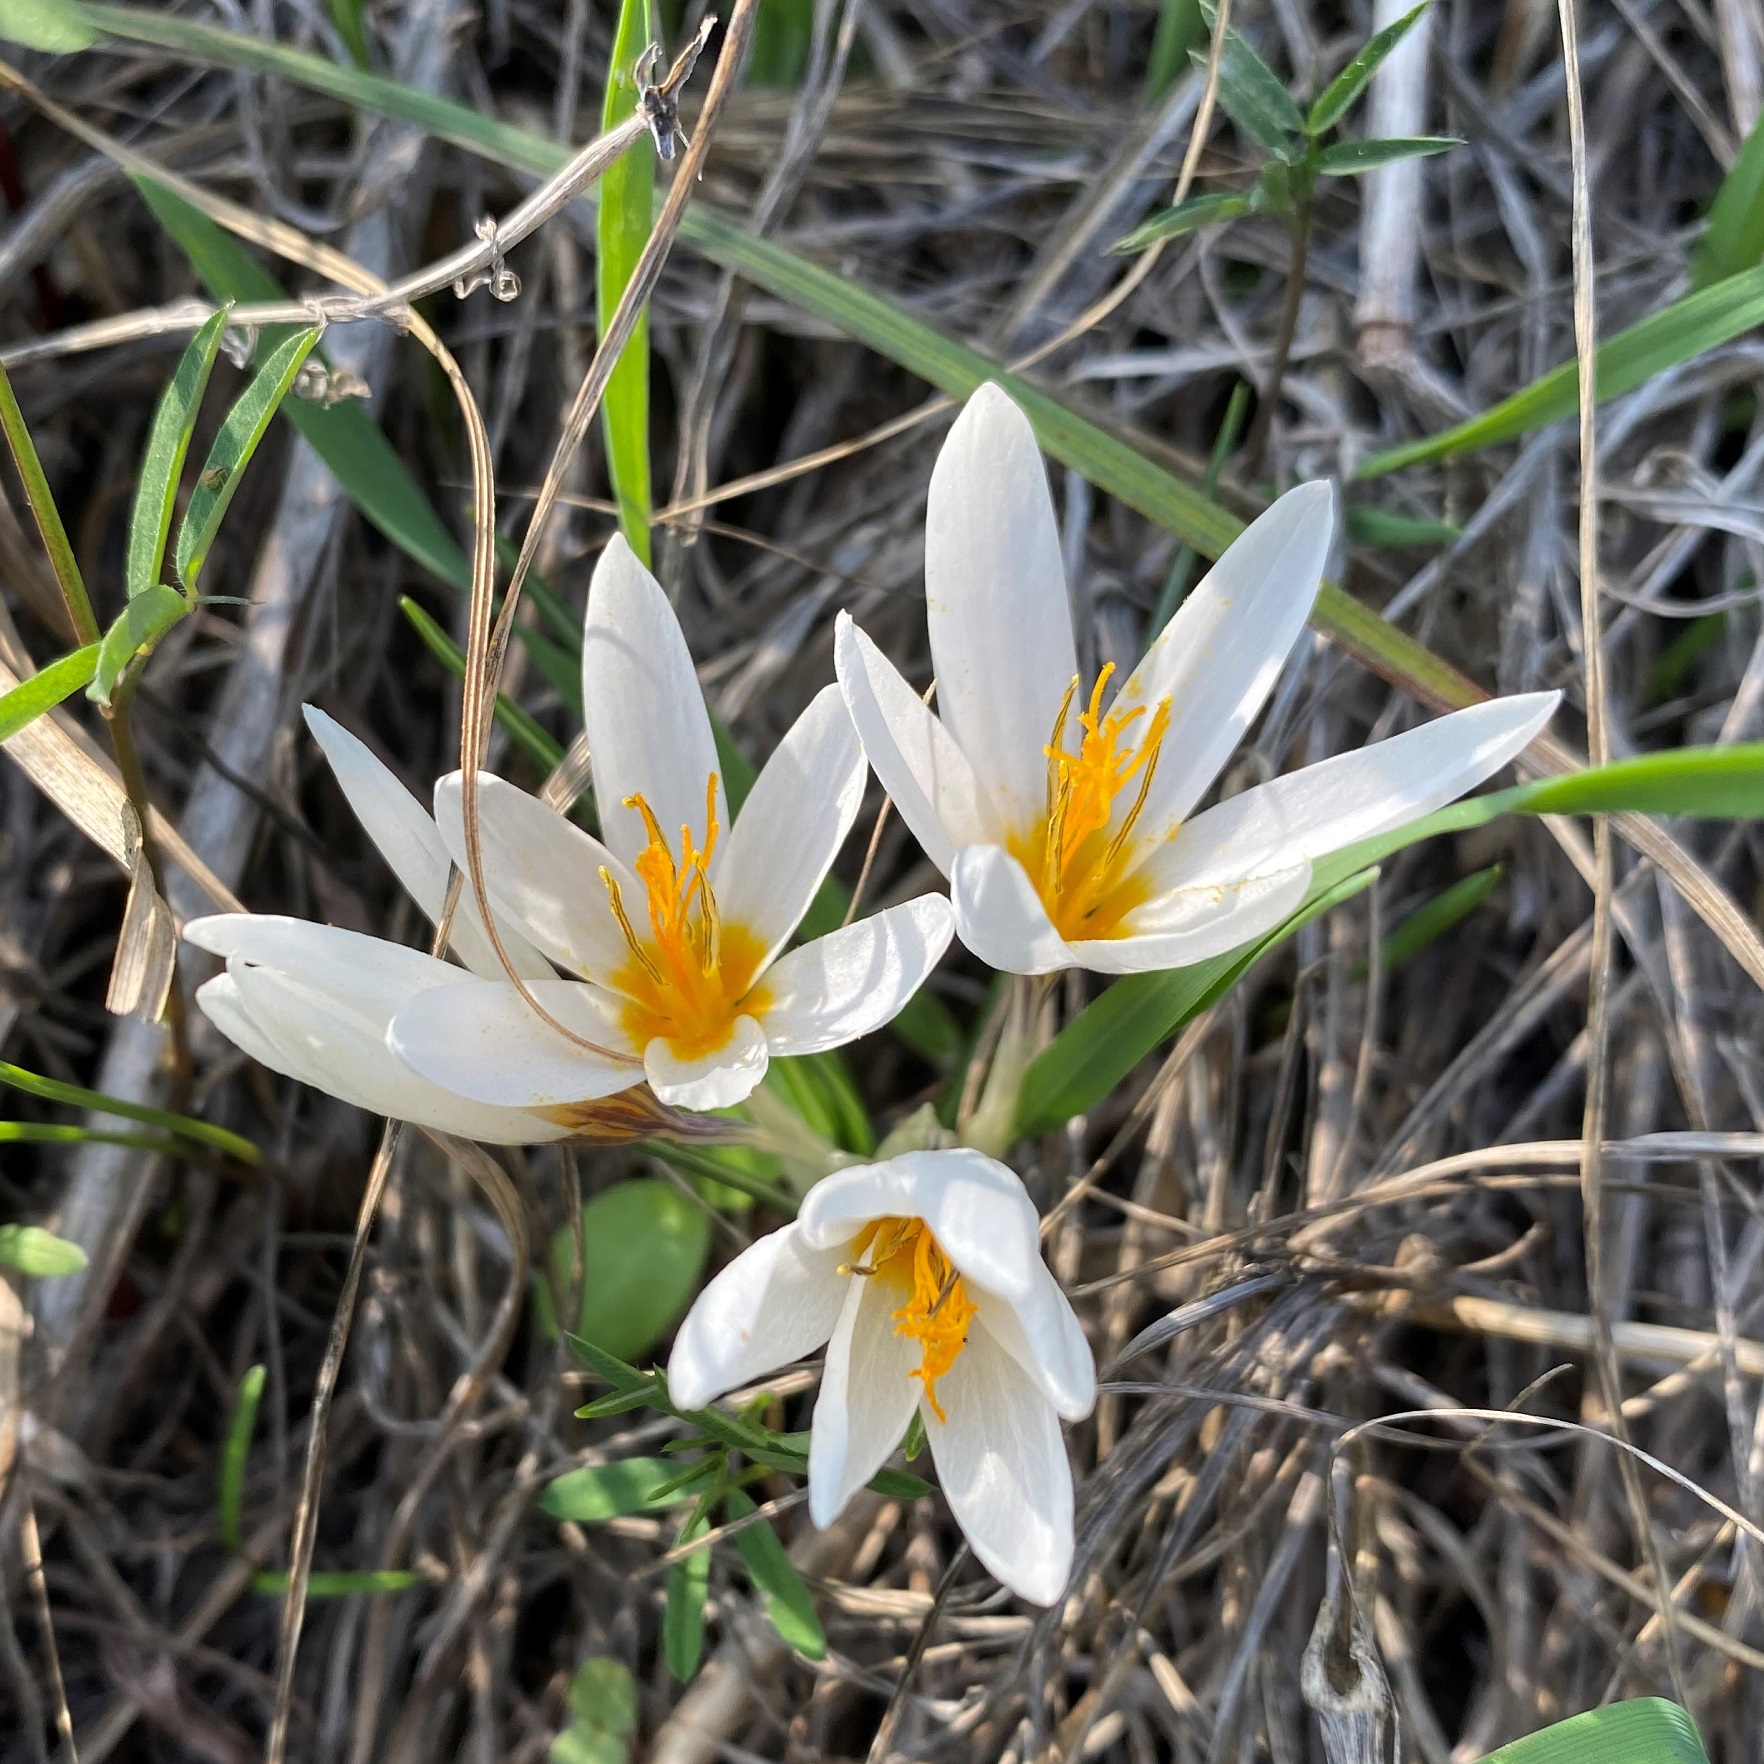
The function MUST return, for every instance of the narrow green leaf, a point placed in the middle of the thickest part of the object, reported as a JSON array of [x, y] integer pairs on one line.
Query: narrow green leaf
[[55, 1090], [788, 1606], [900, 1485], [1677, 333], [1180, 28], [162, 462], [627, 205], [1434, 919], [1347, 159], [605, 1491], [340, 1583], [349, 18], [820, 1088], [45, 689], [1674, 665], [613, 1370], [782, 33], [235, 1455], [233, 447], [45, 24], [1347, 85], [683, 1620], [1186, 217], [1253, 95], [1379, 526], [59, 1133], [1648, 1730], [46, 515], [138, 628], [39, 1253], [1734, 238]]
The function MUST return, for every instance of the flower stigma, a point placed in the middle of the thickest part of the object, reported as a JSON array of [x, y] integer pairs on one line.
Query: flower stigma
[[937, 1315], [689, 979], [1076, 865]]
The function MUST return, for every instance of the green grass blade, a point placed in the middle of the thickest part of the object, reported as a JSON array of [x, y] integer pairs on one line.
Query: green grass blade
[[1431, 921], [349, 18], [1665, 339], [29, 1249], [789, 1607], [1648, 1730], [77, 1096], [46, 515], [340, 1583], [1348, 159], [230, 1492], [683, 1620], [45, 689], [1180, 28], [1734, 238], [138, 628], [244, 427], [62, 1133], [162, 462], [45, 24], [1186, 217], [1332, 105], [621, 230]]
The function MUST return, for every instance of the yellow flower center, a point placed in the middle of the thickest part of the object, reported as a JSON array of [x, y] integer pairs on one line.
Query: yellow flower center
[[1077, 866], [689, 979], [937, 1312]]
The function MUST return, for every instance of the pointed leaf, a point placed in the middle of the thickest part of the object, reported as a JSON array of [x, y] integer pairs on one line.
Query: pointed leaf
[[45, 689], [788, 1606], [1734, 238], [1351, 81], [631, 1485], [1648, 1730], [50, 25], [1348, 159], [1435, 918], [1186, 217], [139, 626], [683, 1620], [234, 1457], [1253, 96], [39, 1253]]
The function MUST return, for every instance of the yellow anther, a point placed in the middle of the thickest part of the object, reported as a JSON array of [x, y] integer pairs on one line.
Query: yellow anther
[[938, 1313]]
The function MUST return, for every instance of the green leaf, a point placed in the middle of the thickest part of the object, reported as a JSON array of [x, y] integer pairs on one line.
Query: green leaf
[[788, 1606], [1435, 918], [819, 1087], [1734, 238], [644, 1246], [1674, 665], [900, 1485], [138, 628], [1677, 333], [782, 33], [1379, 526], [233, 447], [1253, 95], [162, 463], [631, 1485], [340, 1583], [46, 515], [348, 17], [603, 1694], [621, 230], [1648, 1730], [1186, 217], [45, 24], [1180, 28], [234, 1456], [45, 689], [1351, 81], [57, 1133], [32, 1250], [683, 1620], [1347, 159], [55, 1090]]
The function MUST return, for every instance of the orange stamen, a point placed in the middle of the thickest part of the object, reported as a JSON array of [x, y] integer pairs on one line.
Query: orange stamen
[[938, 1313]]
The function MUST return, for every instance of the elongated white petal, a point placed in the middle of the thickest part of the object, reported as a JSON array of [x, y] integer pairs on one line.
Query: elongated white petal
[[716, 1080], [648, 732], [868, 1394], [544, 874], [976, 1208], [916, 758], [1003, 1468], [1350, 797], [356, 965], [777, 1301], [792, 825], [1041, 1332], [1196, 924], [999, 916], [413, 848], [225, 1009], [1219, 657], [855, 979], [483, 1040], [995, 599]]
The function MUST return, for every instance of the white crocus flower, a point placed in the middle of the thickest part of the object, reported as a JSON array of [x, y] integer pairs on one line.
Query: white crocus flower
[[923, 1276], [1065, 822], [676, 931]]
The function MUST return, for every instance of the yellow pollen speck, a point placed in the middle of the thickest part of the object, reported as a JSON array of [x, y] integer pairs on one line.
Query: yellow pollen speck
[[938, 1312]]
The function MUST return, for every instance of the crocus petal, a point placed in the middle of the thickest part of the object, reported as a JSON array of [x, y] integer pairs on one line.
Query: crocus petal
[[1196, 924], [995, 599], [351, 962], [868, 1394], [792, 824], [481, 1039], [716, 1080], [777, 1301], [1219, 657], [855, 979], [1041, 1332], [413, 848], [1003, 1468], [933, 786], [976, 1208], [544, 873], [1351, 797], [999, 916], [225, 1009], [648, 733]]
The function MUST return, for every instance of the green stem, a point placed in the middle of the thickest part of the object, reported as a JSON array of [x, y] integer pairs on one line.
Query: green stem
[[1289, 316]]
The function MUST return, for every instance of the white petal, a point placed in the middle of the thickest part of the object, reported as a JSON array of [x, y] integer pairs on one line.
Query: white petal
[[353, 963], [1351, 797], [999, 916], [1196, 924], [716, 1080], [648, 733], [914, 756], [1219, 657], [544, 873], [868, 1394], [1041, 1332], [1002, 1464], [995, 599], [792, 824], [481, 1039], [976, 1208], [412, 846], [225, 1009], [777, 1301], [855, 979]]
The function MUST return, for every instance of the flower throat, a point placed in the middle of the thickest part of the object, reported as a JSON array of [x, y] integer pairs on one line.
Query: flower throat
[[938, 1313]]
